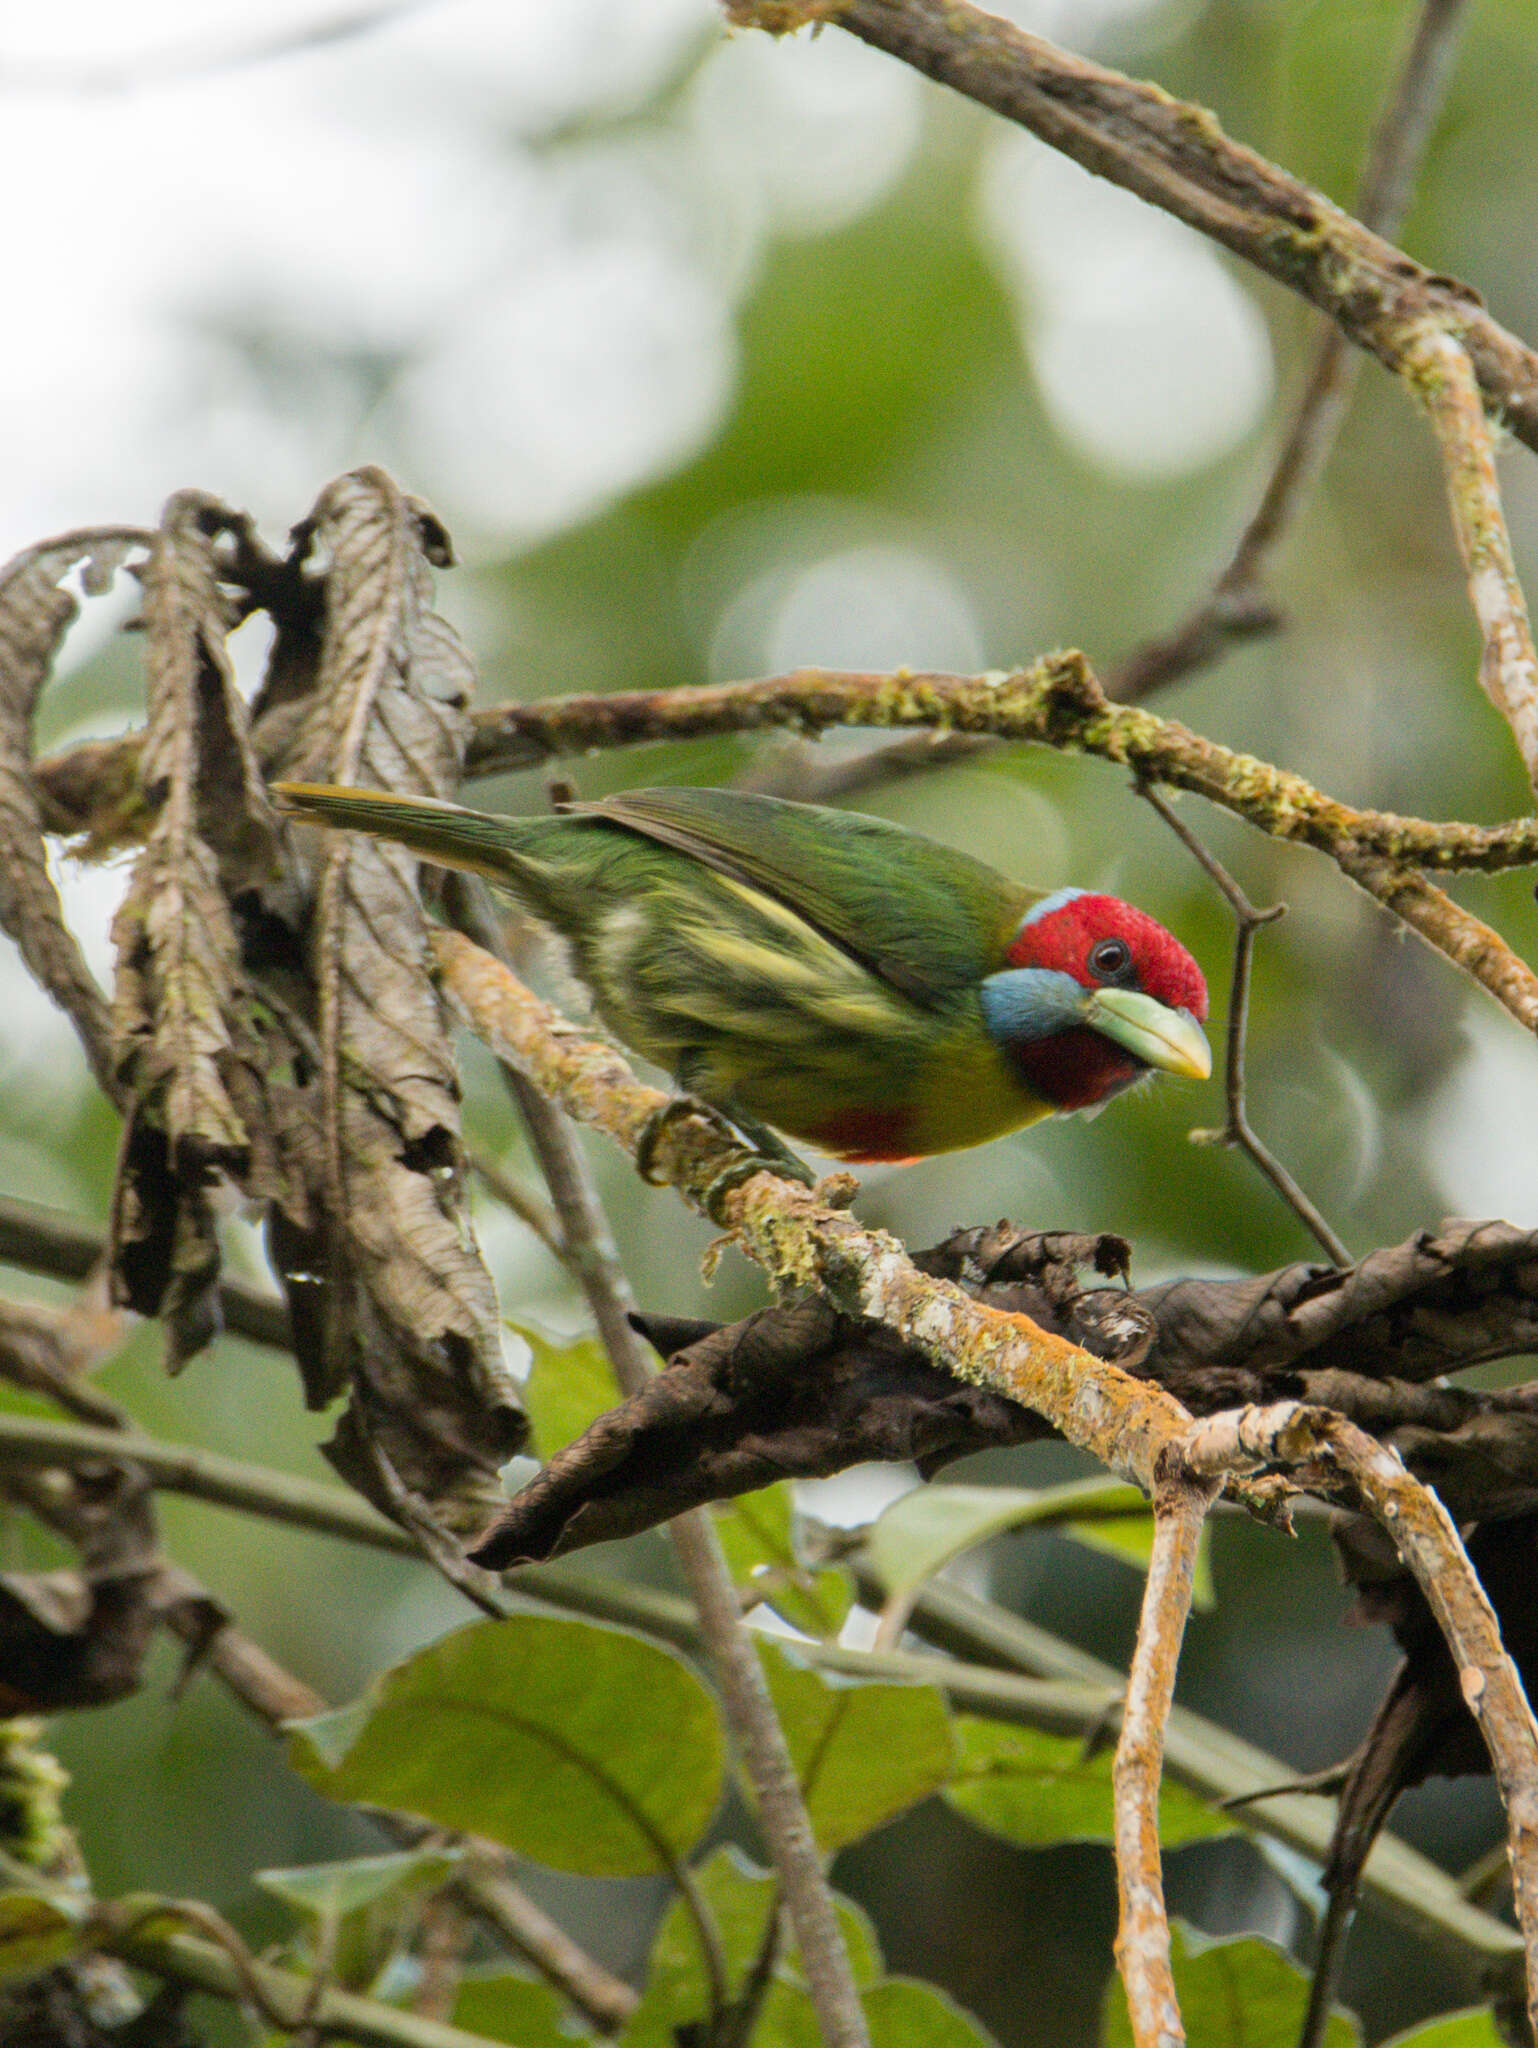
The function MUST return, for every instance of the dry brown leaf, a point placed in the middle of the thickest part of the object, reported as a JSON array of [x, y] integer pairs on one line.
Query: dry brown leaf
[[392, 1296], [191, 1050], [35, 614]]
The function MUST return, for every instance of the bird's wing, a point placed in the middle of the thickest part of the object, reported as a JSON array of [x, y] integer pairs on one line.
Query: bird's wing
[[924, 919]]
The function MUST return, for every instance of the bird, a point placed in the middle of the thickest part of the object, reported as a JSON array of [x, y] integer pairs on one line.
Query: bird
[[824, 974]]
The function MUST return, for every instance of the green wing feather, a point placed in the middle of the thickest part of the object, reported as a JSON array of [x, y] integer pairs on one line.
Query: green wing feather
[[922, 918]]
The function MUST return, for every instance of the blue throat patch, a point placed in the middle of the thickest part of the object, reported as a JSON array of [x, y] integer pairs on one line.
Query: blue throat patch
[[1022, 1003]]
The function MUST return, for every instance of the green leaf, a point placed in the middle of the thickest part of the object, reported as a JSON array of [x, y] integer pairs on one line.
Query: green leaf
[[515, 2009], [739, 1896], [757, 1532], [905, 2013], [585, 1748], [333, 1734], [37, 1930], [569, 1386], [900, 2012], [926, 1529], [863, 1753], [1238, 1993], [328, 1890], [368, 1902], [1037, 1789], [1473, 2028], [787, 2019]]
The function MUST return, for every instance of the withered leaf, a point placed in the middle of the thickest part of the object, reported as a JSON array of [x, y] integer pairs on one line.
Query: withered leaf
[[35, 614], [68, 1639], [189, 1033], [390, 1294]]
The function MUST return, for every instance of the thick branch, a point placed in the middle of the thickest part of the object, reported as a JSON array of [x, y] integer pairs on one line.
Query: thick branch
[[1123, 1422], [1054, 702], [1057, 702]]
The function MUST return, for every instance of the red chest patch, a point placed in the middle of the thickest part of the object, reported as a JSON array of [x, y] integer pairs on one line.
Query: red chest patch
[[1074, 1069], [867, 1136]]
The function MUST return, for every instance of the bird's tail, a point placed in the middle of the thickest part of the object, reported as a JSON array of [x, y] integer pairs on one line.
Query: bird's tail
[[477, 841]]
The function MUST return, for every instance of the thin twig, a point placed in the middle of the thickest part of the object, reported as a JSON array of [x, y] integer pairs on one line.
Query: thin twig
[[524, 1204], [210, 1966], [1237, 606], [204, 1475], [1439, 371], [1451, 930], [606, 2000], [749, 1709], [432, 1541], [1324, 1449], [1143, 1933], [1237, 1130], [53, 1350], [117, 1924]]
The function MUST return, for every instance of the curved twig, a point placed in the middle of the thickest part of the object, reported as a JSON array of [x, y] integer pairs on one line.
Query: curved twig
[[1143, 1933], [1237, 1130], [1237, 606]]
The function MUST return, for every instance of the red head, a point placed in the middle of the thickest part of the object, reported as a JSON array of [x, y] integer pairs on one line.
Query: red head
[[1106, 994], [1105, 943]]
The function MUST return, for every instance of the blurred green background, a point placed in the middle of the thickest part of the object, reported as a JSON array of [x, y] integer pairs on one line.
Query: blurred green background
[[837, 370]]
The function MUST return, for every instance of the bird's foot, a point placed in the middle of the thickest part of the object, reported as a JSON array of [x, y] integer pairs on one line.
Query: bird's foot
[[677, 1109], [787, 1166], [769, 1154]]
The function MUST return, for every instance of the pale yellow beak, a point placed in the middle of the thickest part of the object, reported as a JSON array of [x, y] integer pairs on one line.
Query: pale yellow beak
[[1170, 1040]]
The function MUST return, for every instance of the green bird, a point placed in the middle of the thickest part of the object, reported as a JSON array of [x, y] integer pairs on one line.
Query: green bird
[[833, 976]]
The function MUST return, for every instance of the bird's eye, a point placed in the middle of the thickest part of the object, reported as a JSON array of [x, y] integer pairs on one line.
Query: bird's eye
[[1110, 958]]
